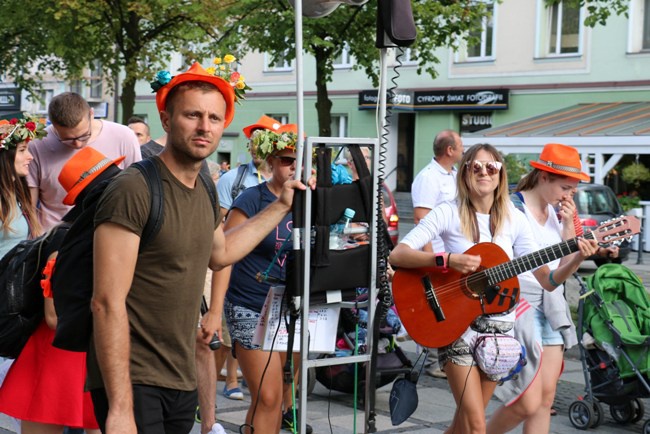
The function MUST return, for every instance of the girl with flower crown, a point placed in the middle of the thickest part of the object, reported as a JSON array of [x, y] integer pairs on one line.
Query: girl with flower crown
[[44, 386], [17, 215], [245, 296]]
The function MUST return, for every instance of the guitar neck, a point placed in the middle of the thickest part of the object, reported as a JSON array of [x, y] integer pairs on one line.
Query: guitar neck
[[533, 260]]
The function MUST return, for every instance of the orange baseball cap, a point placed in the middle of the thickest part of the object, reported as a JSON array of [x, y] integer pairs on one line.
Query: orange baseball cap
[[198, 73]]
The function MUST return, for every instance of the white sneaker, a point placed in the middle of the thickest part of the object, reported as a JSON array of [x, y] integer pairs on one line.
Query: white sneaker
[[217, 429]]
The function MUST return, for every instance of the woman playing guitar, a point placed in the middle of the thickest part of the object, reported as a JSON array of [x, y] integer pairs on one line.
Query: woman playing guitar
[[482, 213], [543, 195]]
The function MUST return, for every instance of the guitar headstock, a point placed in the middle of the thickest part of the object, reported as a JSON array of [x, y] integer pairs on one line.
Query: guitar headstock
[[616, 230]]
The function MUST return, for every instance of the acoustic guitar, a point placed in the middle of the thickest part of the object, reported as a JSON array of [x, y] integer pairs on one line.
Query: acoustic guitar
[[437, 306]]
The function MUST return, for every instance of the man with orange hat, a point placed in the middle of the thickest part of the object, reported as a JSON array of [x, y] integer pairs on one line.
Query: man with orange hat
[[141, 370]]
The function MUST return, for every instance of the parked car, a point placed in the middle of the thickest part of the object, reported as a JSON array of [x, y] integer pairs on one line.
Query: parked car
[[390, 211], [597, 203]]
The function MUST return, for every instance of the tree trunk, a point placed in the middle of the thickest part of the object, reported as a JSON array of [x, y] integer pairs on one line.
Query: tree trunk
[[127, 98], [323, 103]]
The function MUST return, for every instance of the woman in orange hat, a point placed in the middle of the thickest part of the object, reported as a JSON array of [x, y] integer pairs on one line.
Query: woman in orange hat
[[246, 294], [45, 386], [545, 196]]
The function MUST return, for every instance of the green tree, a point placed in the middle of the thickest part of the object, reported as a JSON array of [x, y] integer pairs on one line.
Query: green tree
[[598, 11], [132, 38], [269, 27]]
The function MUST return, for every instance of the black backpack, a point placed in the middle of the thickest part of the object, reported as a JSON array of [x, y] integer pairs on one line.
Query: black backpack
[[72, 280], [21, 305]]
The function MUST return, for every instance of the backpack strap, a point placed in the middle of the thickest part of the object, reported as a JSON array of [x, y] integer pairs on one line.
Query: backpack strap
[[151, 174], [212, 192], [517, 200], [238, 185]]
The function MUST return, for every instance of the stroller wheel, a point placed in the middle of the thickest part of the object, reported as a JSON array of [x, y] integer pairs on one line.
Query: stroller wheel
[[581, 414], [599, 414], [628, 412], [646, 427]]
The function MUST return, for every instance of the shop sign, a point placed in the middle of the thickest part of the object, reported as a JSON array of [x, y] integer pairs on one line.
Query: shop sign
[[472, 122], [459, 99]]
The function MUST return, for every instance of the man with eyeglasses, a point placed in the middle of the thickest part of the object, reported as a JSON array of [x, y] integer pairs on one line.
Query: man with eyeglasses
[[436, 183], [73, 127]]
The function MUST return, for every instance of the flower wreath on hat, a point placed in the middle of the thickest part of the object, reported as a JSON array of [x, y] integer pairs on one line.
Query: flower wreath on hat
[[16, 131], [224, 68], [267, 142]]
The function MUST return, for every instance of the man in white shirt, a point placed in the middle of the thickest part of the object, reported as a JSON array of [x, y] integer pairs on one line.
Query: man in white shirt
[[435, 184]]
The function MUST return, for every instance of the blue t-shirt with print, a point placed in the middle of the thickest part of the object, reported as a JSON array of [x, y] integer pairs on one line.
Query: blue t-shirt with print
[[244, 290]]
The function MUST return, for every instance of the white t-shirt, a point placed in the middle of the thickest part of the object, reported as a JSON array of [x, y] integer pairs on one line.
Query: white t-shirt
[[515, 238], [431, 187], [546, 235], [50, 155]]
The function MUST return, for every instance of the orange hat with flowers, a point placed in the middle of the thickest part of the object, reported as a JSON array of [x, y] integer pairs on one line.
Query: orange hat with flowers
[[230, 83], [268, 142], [80, 170], [561, 160], [16, 131], [263, 123]]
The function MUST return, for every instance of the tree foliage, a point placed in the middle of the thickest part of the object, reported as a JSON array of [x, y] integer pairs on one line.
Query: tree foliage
[[598, 11], [134, 38], [269, 27]]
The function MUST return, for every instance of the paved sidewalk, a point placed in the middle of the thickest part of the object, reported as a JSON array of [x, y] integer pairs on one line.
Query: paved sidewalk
[[333, 411]]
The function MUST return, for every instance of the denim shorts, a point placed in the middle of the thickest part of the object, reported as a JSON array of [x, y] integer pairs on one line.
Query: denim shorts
[[544, 333], [241, 324]]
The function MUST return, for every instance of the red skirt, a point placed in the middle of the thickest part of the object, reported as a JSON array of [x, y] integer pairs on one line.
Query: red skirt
[[46, 385]]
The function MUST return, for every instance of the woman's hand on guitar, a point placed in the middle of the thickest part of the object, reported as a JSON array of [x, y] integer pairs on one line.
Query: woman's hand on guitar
[[587, 247], [464, 263]]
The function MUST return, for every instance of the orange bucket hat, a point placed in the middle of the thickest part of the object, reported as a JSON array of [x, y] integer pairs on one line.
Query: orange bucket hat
[[263, 123], [198, 73], [81, 170], [562, 160]]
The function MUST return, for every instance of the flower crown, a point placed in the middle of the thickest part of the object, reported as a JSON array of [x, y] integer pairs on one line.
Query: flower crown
[[16, 131], [224, 69], [266, 142]]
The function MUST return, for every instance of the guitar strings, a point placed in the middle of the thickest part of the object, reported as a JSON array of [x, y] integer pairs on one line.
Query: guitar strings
[[534, 259]]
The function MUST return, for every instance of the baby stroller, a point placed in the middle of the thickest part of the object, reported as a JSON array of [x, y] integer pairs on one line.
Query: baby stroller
[[614, 337]]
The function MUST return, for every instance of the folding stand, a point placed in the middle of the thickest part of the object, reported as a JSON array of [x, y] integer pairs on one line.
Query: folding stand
[[331, 273]]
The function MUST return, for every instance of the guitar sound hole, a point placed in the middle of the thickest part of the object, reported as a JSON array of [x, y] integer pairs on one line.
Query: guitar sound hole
[[474, 285]]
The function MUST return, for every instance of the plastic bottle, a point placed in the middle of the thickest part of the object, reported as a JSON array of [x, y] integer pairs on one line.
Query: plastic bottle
[[337, 238]]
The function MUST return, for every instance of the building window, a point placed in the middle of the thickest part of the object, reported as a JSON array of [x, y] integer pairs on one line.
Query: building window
[[408, 56], [639, 26], [281, 64], [282, 117], [343, 60], [339, 125], [77, 87], [646, 25], [96, 82], [564, 29], [43, 101], [481, 36]]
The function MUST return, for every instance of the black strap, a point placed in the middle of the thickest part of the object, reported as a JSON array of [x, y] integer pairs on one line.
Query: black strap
[[208, 183], [238, 185], [151, 174]]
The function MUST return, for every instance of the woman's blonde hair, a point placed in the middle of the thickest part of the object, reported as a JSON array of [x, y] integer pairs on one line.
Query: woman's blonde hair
[[466, 185]]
